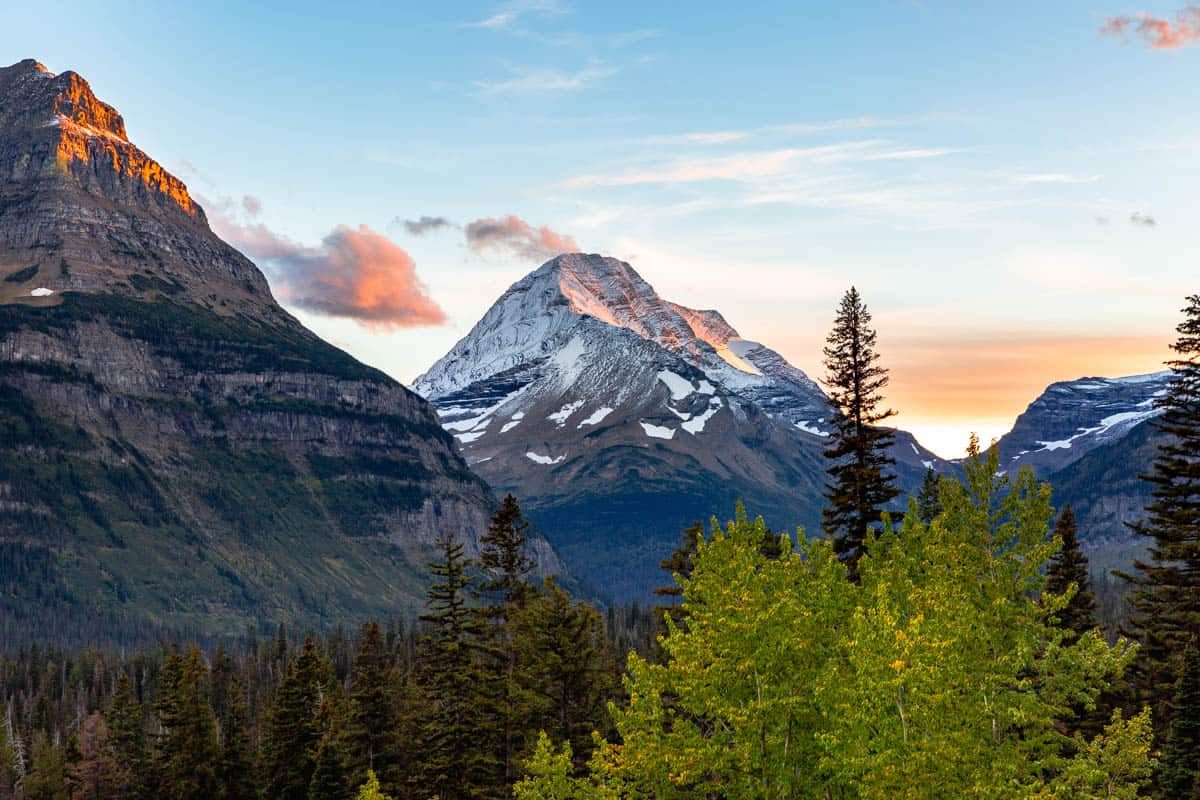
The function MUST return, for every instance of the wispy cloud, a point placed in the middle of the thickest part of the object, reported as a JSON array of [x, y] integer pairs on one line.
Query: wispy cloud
[[1159, 33], [423, 225], [1142, 220], [354, 273], [510, 13], [513, 236], [544, 80], [749, 166], [1055, 177]]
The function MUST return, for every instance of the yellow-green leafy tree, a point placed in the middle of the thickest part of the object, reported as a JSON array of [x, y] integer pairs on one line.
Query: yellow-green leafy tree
[[940, 674]]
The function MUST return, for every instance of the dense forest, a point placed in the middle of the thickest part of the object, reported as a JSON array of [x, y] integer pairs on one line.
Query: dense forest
[[958, 649]]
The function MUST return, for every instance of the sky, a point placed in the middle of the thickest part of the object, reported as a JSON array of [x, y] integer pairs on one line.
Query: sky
[[1011, 187]]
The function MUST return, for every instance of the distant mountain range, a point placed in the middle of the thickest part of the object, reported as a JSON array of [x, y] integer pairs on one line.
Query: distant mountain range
[[619, 418], [177, 453]]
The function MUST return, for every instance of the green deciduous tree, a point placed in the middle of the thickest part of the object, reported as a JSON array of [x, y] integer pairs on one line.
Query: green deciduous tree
[[939, 674], [861, 483]]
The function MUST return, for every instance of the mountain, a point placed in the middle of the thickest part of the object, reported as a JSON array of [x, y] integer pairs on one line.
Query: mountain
[[178, 453], [619, 418], [1072, 418], [1091, 438]]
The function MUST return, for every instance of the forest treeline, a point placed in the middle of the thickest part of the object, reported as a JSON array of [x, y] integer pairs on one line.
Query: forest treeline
[[951, 649]]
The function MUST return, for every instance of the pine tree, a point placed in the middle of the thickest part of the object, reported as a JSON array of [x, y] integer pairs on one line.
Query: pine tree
[[456, 764], [861, 484], [127, 737], [502, 553], [679, 564], [929, 503], [1166, 597], [504, 589], [1069, 568], [236, 769], [1179, 769], [188, 753], [568, 667], [329, 779], [372, 730], [294, 727], [97, 774]]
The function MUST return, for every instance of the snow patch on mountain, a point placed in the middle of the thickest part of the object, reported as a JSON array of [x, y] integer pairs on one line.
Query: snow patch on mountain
[[657, 431], [596, 417]]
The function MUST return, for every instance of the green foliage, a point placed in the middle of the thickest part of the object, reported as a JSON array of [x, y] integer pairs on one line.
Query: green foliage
[[188, 754], [929, 503], [370, 789], [294, 728], [1166, 599], [372, 730], [939, 674], [1179, 772], [861, 483]]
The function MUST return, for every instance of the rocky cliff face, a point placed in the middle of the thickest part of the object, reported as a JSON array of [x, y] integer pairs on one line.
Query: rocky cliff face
[[178, 452], [619, 418]]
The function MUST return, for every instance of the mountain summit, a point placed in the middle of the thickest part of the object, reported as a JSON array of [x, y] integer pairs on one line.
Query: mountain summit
[[176, 450], [619, 418]]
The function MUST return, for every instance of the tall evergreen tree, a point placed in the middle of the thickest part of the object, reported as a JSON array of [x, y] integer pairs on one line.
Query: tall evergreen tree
[[127, 737], [502, 553], [457, 762], [236, 770], [861, 483], [187, 750], [1166, 597], [568, 667], [294, 727], [1179, 769], [372, 730], [929, 503], [1069, 568], [679, 564], [329, 779]]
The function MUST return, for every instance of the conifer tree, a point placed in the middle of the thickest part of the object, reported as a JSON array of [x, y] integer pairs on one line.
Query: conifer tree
[[502, 553], [1069, 568], [679, 564], [236, 770], [96, 774], [294, 726], [456, 761], [567, 664], [329, 779], [929, 503], [504, 589], [1166, 597], [1179, 769], [127, 737], [188, 753], [861, 483], [372, 729]]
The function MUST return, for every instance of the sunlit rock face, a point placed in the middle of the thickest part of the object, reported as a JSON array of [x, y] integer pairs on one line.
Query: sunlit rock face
[[176, 450]]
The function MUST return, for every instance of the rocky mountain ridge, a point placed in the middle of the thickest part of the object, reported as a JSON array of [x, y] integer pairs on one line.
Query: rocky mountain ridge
[[178, 452]]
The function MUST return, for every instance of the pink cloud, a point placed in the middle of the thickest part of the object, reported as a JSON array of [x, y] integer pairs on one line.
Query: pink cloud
[[1159, 33], [515, 236], [355, 273]]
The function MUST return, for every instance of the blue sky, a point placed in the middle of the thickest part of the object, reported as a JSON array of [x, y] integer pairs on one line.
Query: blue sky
[[987, 177]]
